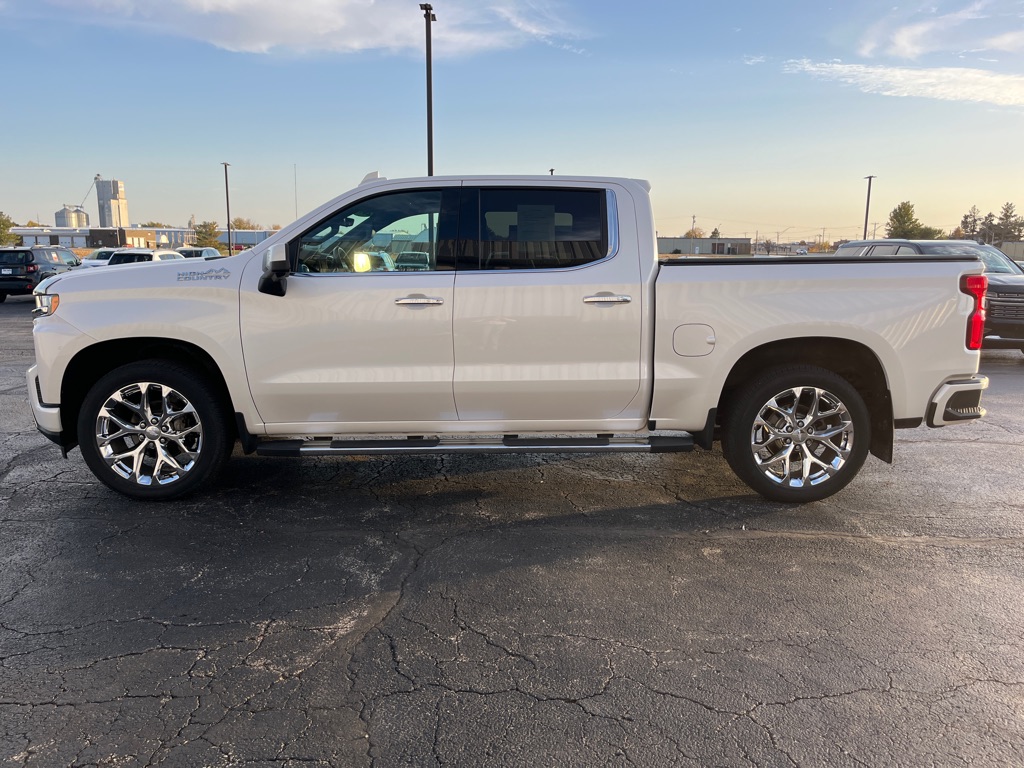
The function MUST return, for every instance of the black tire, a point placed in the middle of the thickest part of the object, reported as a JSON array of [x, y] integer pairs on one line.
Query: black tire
[[3, 296], [766, 429], [162, 442]]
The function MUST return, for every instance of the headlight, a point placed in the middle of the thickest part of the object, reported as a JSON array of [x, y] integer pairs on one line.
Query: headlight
[[46, 304]]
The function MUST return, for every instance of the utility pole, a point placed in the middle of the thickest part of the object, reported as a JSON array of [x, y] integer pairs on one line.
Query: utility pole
[[429, 16], [867, 208], [227, 198]]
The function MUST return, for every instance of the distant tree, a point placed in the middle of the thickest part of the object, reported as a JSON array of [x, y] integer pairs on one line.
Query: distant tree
[[694, 233], [6, 236], [768, 245], [33, 223], [969, 223], [1009, 225], [239, 223], [929, 233], [275, 227], [155, 225], [987, 228], [207, 234], [903, 222], [715, 232], [676, 251], [958, 234]]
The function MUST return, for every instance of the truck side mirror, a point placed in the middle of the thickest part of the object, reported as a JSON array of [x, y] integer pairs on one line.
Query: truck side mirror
[[276, 268]]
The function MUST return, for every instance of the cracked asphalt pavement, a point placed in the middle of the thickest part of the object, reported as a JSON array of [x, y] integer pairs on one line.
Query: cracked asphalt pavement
[[514, 610]]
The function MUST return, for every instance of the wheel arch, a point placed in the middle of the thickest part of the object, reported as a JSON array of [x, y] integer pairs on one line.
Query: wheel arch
[[91, 363], [852, 360]]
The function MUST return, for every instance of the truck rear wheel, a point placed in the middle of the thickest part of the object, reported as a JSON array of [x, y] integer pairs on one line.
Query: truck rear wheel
[[154, 430], [797, 434]]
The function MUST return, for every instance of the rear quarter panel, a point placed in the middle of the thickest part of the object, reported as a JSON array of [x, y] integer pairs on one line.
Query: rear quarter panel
[[910, 314]]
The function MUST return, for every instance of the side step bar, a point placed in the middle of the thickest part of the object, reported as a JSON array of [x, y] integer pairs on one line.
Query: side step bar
[[506, 444]]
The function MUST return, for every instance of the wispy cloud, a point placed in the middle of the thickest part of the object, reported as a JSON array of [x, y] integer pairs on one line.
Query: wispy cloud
[[911, 40], [753, 60], [464, 27], [944, 83], [1010, 41], [911, 32]]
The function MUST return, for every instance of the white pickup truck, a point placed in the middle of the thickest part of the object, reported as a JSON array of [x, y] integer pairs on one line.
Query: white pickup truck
[[502, 314]]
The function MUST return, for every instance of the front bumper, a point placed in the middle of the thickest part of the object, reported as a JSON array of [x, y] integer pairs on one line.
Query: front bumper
[[47, 416], [957, 400]]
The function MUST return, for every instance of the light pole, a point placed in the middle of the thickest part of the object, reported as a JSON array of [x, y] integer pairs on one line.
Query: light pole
[[429, 16], [227, 198], [867, 208], [778, 237]]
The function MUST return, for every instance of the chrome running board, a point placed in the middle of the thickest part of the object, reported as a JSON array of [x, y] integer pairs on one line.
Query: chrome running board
[[506, 444]]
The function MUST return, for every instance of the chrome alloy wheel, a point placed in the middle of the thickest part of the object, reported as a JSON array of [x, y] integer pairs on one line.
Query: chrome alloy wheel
[[802, 437], [149, 434]]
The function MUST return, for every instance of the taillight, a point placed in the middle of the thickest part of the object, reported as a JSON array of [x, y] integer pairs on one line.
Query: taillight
[[976, 286], [32, 268]]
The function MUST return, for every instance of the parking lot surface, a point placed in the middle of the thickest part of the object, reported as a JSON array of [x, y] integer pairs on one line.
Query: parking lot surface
[[534, 610]]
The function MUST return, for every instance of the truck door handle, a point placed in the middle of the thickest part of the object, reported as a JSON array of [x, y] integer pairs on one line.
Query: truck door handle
[[419, 300], [607, 298]]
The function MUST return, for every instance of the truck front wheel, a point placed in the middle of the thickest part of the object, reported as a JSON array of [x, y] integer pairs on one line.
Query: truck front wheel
[[154, 430], [797, 434]]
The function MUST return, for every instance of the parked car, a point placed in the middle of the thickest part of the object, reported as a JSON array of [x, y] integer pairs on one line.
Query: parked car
[[23, 267], [1004, 318], [198, 252], [98, 258], [140, 255], [413, 261]]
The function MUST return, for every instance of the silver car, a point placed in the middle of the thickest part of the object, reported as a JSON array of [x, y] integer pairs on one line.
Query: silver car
[[141, 255]]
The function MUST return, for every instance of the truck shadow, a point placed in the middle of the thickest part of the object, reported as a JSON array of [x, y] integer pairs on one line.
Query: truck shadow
[[448, 494]]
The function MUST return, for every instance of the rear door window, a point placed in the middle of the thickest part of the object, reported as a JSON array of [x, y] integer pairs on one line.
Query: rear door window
[[15, 257], [888, 249], [540, 228]]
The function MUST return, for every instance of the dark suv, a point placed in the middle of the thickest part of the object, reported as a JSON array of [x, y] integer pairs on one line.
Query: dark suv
[[22, 267], [1004, 315]]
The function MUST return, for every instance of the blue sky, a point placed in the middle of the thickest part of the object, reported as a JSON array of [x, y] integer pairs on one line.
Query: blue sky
[[752, 116]]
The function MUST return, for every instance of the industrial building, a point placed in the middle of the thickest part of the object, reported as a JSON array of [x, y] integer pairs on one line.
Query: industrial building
[[113, 203], [73, 216], [704, 246]]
